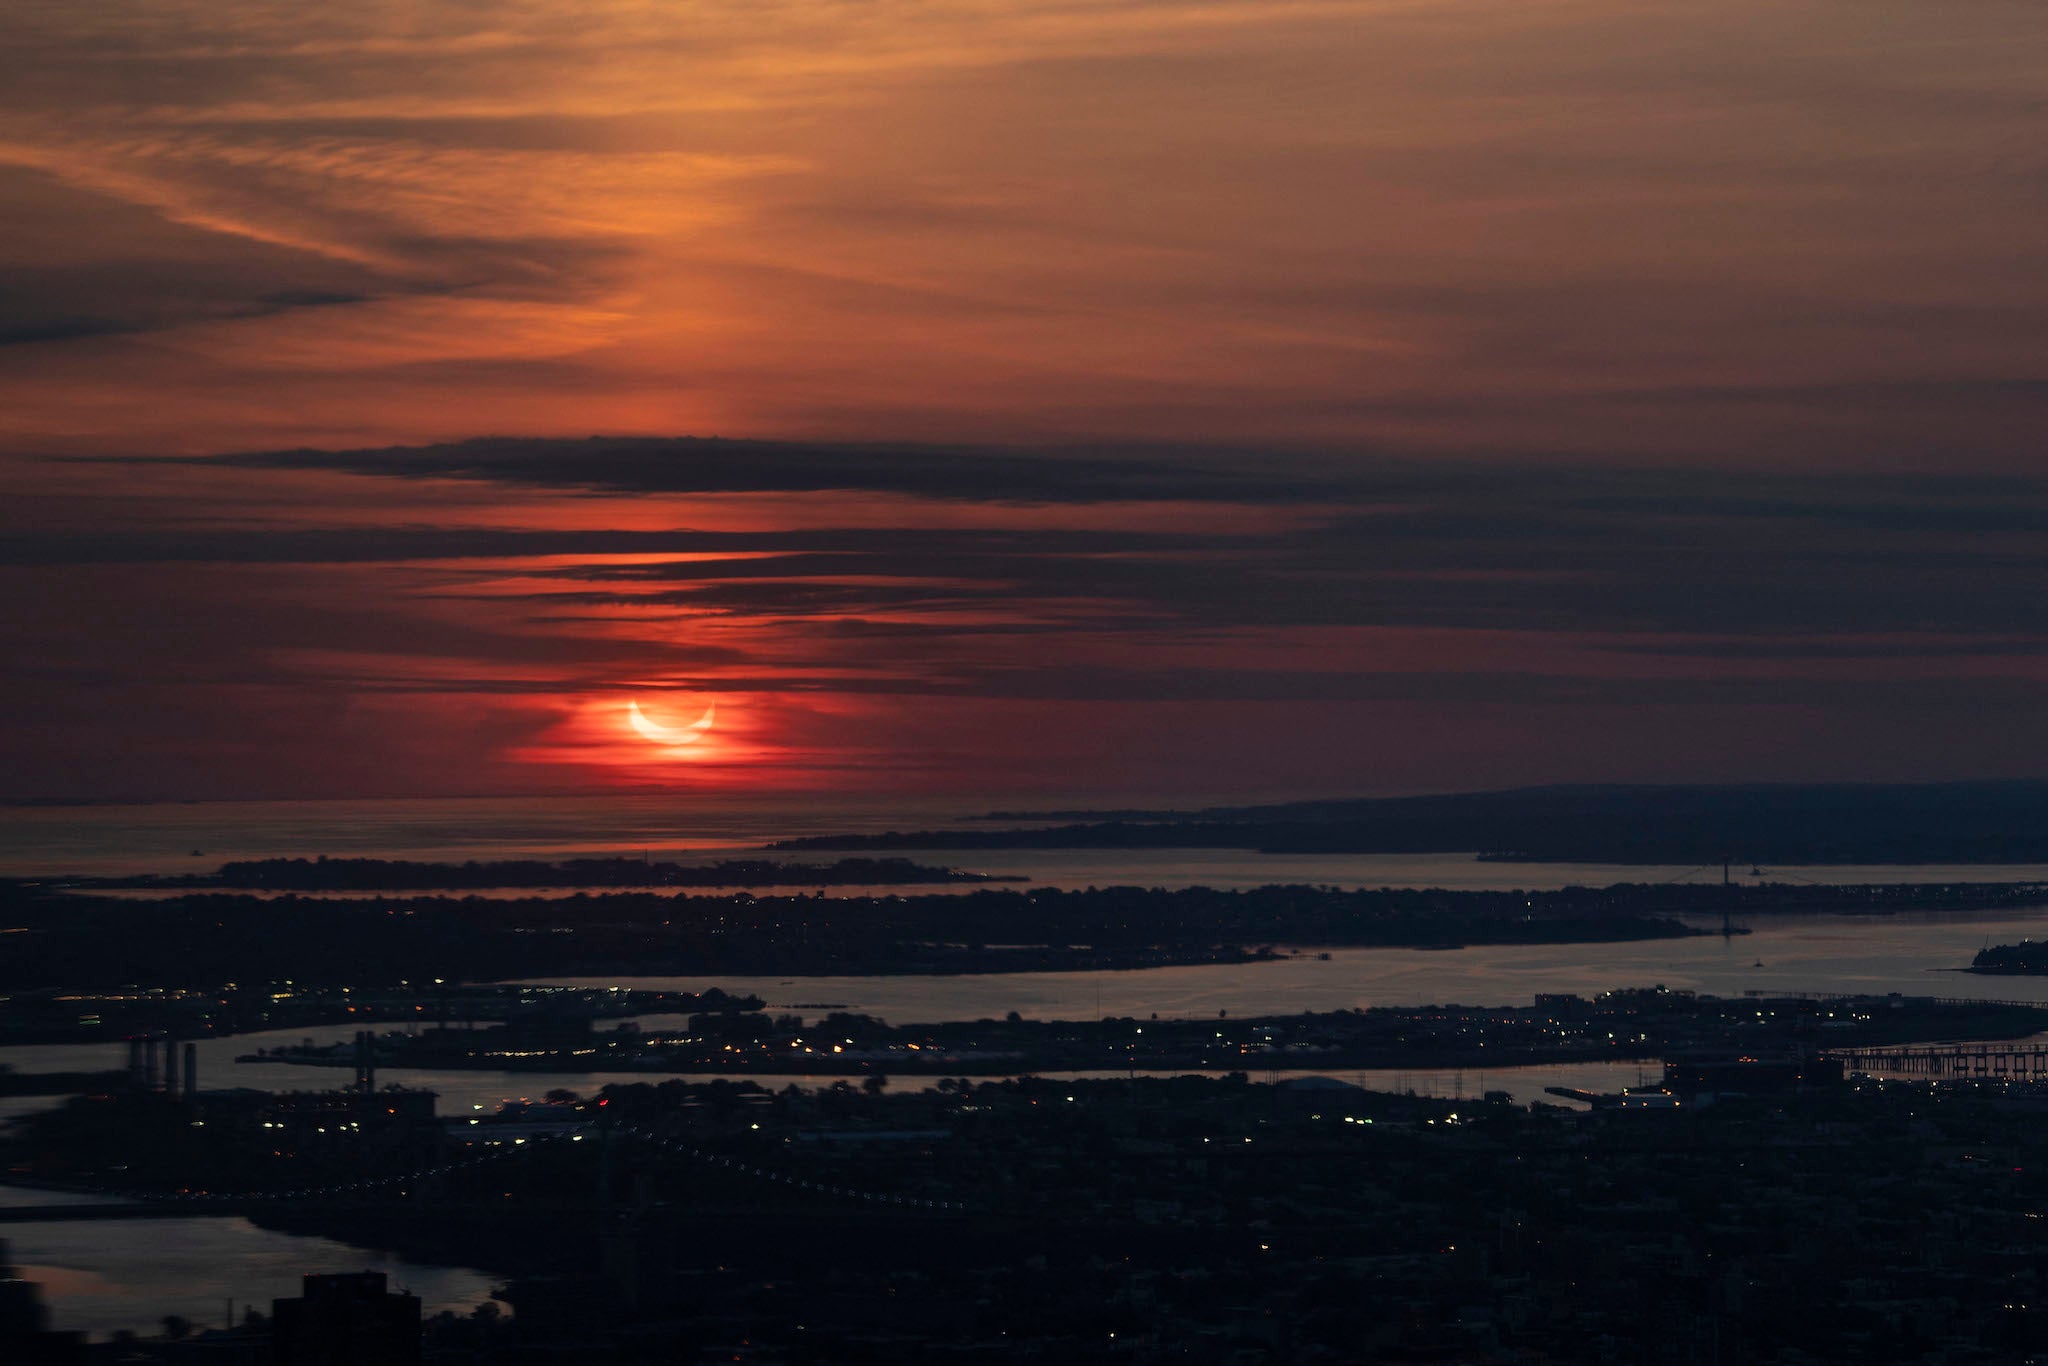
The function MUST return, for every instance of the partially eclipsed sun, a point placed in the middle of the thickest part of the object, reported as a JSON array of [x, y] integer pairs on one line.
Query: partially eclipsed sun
[[670, 735]]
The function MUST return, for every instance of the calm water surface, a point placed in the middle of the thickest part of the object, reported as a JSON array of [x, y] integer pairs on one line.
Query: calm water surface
[[1912, 954], [198, 837], [130, 1273]]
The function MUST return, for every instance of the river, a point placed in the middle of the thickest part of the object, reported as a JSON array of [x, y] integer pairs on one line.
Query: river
[[103, 1276], [106, 1275], [1916, 954]]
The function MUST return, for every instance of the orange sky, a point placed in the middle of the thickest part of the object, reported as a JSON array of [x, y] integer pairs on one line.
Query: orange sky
[[1484, 391], [1639, 230]]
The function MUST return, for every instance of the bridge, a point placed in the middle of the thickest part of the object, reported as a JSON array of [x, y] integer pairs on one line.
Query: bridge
[[111, 1209], [394, 1187], [1988, 1061]]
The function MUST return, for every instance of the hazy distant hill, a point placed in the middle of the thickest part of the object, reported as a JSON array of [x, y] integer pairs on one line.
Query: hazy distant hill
[[2003, 822]]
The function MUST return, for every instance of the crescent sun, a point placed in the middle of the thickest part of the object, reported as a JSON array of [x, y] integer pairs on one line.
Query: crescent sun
[[670, 735]]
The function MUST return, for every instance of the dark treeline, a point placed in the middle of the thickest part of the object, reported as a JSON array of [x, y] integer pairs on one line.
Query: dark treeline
[[204, 938], [1844, 823], [2023, 959], [81, 1015], [13, 1083], [371, 874], [1621, 1025]]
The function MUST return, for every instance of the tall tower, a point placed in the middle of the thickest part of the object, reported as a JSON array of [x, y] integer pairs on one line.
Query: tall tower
[[366, 1061]]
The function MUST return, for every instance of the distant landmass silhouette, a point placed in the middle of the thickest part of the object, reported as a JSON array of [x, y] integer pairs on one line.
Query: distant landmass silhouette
[[375, 874], [1830, 823]]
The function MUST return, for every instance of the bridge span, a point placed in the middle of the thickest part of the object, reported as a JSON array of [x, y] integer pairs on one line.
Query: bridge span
[[140, 1209], [1989, 1061]]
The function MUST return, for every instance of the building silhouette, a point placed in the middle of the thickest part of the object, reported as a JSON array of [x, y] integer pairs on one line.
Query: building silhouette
[[346, 1320], [25, 1336]]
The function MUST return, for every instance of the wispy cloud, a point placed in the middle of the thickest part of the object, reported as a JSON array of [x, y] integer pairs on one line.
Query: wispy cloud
[[1737, 234], [1389, 386]]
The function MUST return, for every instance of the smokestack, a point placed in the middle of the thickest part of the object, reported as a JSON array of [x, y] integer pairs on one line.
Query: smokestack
[[135, 1077], [191, 1072], [149, 1073], [366, 1066], [170, 1067]]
